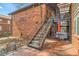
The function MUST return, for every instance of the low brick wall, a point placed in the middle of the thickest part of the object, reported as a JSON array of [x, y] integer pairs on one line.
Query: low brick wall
[[75, 43]]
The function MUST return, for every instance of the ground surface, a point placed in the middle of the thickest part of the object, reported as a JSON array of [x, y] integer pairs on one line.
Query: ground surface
[[52, 47]]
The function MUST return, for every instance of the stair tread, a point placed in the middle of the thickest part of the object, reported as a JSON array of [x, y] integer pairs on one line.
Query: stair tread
[[36, 46], [35, 41]]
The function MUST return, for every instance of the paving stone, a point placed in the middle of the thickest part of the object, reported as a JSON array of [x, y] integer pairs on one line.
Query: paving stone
[[12, 46], [58, 50]]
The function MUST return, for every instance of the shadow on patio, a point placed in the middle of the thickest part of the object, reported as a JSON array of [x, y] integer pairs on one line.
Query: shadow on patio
[[52, 47]]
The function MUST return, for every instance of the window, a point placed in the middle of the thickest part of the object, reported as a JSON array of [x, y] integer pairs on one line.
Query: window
[[0, 19], [8, 21], [77, 25], [63, 29], [64, 26], [0, 28]]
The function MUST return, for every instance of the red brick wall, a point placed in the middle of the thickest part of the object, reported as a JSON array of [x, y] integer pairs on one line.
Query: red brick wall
[[75, 37], [28, 22]]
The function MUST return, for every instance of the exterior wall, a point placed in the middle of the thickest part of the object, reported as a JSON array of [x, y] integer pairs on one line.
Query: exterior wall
[[5, 26], [50, 12], [15, 29], [75, 37], [27, 23]]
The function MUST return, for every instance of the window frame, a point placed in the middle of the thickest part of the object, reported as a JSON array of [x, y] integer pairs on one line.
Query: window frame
[[76, 26], [0, 19], [0, 28], [9, 22]]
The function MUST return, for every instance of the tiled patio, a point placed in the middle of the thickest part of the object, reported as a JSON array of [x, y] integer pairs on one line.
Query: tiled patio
[[52, 47]]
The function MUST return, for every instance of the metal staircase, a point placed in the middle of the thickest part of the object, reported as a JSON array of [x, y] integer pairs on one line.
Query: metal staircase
[[38, 40]]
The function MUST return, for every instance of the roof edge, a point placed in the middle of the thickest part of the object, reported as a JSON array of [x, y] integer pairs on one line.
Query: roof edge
[[16, 11], [24, 8]]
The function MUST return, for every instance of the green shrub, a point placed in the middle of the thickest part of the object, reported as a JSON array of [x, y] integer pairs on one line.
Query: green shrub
[[5, 34]]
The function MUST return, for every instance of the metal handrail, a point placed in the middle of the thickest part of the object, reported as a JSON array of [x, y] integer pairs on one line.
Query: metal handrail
[[38, 30], [44, 28]]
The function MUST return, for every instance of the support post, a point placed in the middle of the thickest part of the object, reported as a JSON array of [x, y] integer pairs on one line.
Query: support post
[[73, 37]]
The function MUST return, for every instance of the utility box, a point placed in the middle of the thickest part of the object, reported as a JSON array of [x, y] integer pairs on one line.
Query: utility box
[[61, 35]]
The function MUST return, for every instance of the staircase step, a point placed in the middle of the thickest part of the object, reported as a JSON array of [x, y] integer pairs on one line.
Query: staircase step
[[36, 38], [35, 46], [37, 41], [40, 34], [41, 37]]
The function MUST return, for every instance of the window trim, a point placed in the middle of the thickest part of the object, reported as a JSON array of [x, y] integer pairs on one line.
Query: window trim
[[76, 29], [0, 28], [9, 22], [0, 19]]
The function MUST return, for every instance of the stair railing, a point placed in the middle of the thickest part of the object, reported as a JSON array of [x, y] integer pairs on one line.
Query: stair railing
[[38, 30], [47, 26]]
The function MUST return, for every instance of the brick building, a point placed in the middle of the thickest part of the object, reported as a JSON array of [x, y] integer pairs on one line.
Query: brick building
[[75, 26], [28, 20], [5, 25]]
